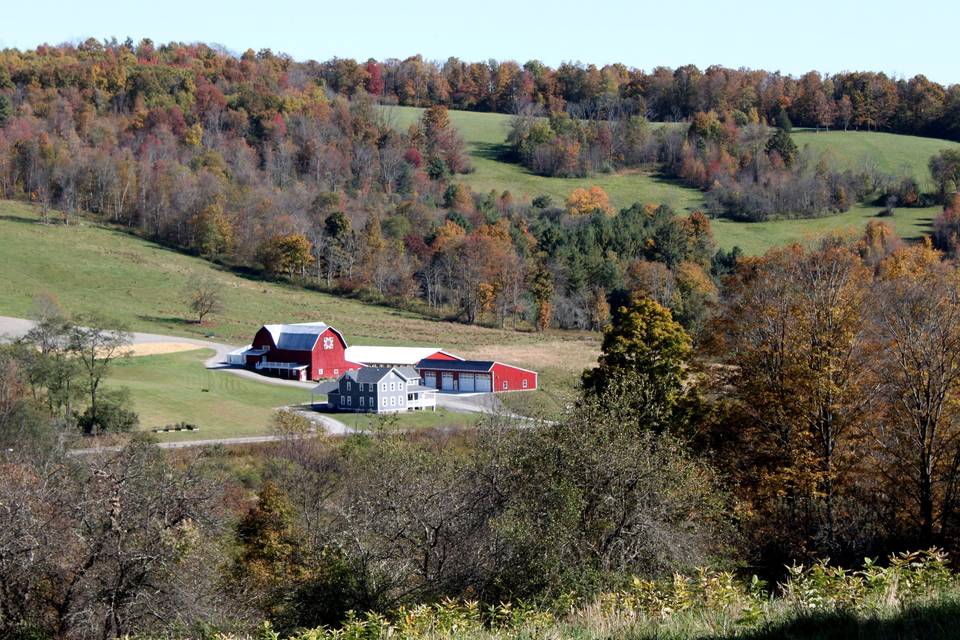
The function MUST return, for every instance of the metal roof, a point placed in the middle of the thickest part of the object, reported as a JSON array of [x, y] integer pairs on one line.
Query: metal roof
[[480, 366], [296, 337], [398, 356]]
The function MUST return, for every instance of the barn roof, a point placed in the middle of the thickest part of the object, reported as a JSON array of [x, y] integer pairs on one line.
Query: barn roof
[[376, 374], [296, 337], [375, 355], [479, 366]]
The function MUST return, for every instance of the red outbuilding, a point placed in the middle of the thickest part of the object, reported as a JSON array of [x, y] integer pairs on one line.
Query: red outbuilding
[[306, 351], [475, 376]]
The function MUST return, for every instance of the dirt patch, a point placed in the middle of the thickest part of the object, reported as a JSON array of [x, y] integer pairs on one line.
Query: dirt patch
[[560, 354], [160, 348]]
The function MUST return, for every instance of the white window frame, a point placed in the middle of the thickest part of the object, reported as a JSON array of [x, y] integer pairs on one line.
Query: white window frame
[[524, 383], [383, 387], [384, 403], [349, 401], [336, 372], [506, 385], [348, 385], [393, 401], [399, 386], [362, 400]]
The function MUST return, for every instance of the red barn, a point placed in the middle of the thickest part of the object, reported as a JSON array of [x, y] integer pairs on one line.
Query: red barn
[[475, 375], [306, 351]]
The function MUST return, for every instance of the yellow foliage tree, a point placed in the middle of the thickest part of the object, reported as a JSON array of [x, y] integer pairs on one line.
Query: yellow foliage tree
[[585, 201]]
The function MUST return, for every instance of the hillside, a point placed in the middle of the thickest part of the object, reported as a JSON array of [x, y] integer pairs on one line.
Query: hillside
[[93, 269], [485, 134]]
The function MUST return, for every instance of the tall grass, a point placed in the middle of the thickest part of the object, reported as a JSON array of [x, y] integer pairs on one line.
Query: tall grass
[[913, 595]]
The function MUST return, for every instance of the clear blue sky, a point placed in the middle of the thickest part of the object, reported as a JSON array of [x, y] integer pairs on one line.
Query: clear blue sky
[[902, 38]]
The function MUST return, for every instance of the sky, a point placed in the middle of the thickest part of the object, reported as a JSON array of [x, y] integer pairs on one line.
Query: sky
[[900, 38]]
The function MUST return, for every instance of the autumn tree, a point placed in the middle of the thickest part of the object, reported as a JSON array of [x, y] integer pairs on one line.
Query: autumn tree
[[645, 355], [586, 201], [915, 332], [288, 254], [794, 331]]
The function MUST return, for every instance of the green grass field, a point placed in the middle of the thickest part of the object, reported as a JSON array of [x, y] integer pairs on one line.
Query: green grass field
[[176, 387], [485, 134], [888, 152]]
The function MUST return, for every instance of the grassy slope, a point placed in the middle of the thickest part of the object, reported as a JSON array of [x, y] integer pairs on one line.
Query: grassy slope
[[92, 269], [485, 132], [891, 153]]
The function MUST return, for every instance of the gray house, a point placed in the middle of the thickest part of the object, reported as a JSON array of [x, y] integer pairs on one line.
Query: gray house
[[380, 390]]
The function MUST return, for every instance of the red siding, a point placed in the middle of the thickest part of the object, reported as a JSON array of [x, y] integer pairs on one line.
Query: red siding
[[440, 355], [513, 378], [327, 360], [330, 360]]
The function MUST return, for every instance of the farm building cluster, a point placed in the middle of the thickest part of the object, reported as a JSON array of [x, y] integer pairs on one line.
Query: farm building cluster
[[373, 378]]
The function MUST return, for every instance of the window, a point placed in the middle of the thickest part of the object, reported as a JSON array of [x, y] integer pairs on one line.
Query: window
[[361, 400], [384, 386], [393, 387], [400, 386], [349, 387], [393, 401], [524, 383], [349, 400], [373, 402], [384, 403], [336, 372], [504, 384], [321, 372]]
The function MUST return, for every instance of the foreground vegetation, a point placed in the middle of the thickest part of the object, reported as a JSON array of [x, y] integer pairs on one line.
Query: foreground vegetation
[[911, 596]]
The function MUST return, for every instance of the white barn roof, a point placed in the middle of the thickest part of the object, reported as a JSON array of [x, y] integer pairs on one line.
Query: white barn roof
[[296, 337], [390, 356]]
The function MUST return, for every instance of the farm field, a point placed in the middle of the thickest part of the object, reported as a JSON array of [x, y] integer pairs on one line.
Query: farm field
[[171, 388], [485, 134]]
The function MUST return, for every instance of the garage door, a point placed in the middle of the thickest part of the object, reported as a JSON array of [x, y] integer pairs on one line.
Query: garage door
[[467, 382], [430, 379], [483, 382], [447, 379]]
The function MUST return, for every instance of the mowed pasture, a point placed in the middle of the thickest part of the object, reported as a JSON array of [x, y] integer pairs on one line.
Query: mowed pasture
[[172, 388], [92, 269], [486, 134]]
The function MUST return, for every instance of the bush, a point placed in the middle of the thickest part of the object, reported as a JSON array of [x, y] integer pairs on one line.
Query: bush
[[112, 415]]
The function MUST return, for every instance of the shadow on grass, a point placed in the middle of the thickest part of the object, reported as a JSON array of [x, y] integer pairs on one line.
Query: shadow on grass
[[498, 152], [937, 621], [24, 219], [169, 321]]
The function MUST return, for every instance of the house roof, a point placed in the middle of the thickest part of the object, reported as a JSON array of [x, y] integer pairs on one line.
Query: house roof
[[376, 374], [327, 386], [479, 366], [296, 337], [375, 355]]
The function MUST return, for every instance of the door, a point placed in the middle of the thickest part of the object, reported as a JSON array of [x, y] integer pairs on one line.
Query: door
[[430, 379], [467, 382], [483, 382], [447, 381]]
